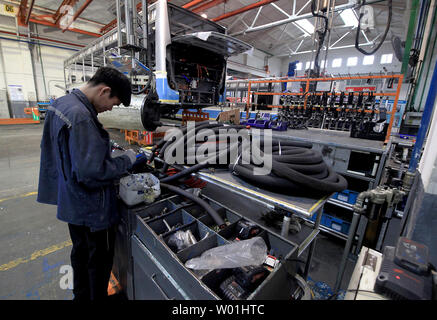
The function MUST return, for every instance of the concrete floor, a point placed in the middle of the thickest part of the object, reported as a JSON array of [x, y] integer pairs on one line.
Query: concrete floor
[[35, 245]]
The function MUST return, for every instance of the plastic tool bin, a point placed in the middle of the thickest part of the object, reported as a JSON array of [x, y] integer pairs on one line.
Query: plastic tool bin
[[156, 269], [348, 196], [334, 223]]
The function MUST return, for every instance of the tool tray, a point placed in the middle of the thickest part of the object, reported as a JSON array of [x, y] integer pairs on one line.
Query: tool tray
[[159, 270]]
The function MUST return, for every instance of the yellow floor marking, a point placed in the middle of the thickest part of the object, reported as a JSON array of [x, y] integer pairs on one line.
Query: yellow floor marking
[[19, 196], [35, 255]]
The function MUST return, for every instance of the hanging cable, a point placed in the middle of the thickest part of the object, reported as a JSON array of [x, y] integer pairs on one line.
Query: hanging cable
[[357, 37], [322, 35]]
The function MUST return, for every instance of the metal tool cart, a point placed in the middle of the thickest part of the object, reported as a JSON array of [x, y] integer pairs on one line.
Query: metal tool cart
[[149, 268]]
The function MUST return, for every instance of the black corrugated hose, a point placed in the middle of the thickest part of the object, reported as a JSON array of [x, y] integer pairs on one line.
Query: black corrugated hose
[[217, 218], [296, 168]]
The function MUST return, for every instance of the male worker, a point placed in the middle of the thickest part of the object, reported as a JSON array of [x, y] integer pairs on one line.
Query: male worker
[[77, 174]]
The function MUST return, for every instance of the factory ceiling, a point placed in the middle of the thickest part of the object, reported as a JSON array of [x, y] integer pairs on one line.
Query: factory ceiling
[[278, 27]]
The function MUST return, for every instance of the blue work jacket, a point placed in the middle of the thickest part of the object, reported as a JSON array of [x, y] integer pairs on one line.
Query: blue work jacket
[[77, 172]]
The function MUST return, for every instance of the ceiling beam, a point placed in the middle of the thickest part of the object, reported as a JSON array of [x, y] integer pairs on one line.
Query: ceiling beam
[[243, 9], [333, 48], [58, 14], [51, 24], [22, 12], [207, 5], [297, 17], [192, 3], [78, 13]]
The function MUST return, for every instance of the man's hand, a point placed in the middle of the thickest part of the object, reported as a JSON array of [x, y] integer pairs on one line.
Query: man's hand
[[132, 155], [141, 160]]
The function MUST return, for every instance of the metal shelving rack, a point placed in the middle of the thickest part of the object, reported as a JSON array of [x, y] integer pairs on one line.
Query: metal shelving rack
[[309, 81]]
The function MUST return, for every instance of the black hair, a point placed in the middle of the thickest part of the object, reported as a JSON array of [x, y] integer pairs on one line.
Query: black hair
[[120, 84]]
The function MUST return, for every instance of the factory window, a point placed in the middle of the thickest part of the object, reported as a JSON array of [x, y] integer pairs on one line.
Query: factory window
[[324, 63], [386, 58], [299, 66], [368, 60], [352, 61], [336, 63], [308, 64]]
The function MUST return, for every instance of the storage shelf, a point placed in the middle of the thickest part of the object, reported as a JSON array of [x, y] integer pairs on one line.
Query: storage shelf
[[342, 204], [357, 176]]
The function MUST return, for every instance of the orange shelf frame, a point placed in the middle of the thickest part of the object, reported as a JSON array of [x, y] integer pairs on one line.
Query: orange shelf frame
[[18, 121], [309, 80]]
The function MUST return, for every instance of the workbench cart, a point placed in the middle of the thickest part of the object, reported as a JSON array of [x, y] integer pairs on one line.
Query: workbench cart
[[147, 267]]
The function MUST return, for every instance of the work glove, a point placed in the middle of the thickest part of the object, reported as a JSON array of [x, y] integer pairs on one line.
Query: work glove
[[131, 154], [141, 160]]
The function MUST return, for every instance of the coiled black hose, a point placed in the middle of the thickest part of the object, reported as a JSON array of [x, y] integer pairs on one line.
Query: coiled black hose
[[296, 167]]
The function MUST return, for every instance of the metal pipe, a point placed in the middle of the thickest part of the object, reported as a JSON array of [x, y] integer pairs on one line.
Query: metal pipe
[[128, 21], [331, 7], [409, 38], [427, 32], [145, 27], [162, 36], [358, 210], [425, 122], [41, 38], [119, 35], [29, 11]]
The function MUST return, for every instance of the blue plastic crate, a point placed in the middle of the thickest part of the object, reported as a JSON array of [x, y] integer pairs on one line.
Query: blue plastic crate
[[348, 196], [336, 224]]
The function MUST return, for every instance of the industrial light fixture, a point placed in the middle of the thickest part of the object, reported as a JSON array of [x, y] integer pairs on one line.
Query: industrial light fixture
[[203, 15], [349, 18], [305, 26]]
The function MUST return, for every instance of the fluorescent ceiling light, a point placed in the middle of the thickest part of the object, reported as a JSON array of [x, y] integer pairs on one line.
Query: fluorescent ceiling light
[[349, 18], [304, 25]]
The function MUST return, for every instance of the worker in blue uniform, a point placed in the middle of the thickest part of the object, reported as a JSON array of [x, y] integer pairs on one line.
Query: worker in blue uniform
[[77, 173]]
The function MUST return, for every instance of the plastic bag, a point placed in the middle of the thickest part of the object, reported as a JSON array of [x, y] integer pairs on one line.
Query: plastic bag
[[237, 254], [182, 239], [140, 187]]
